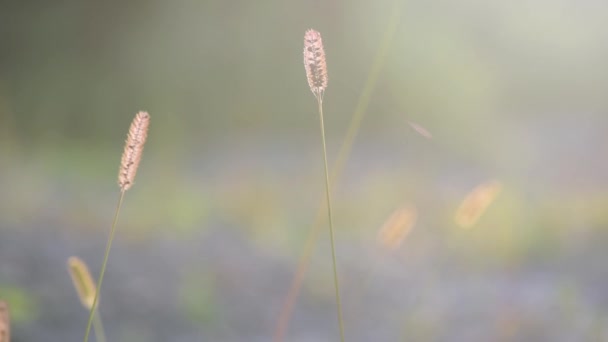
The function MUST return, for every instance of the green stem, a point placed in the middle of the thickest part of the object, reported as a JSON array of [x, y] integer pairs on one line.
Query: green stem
[[342, 156], [103, 267], [331, 224], [100, 335]]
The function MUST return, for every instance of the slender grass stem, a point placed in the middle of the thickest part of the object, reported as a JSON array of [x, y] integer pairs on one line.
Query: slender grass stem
[[100, 335], [103, 266], [338, 166], [329, 216]]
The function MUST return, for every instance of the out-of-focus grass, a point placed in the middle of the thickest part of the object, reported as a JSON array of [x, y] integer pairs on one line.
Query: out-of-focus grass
[[23, 306], [196, 297], [269, 208]]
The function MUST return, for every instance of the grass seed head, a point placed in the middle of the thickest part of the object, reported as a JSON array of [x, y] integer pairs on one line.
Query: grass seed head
[[133, 151], [82, 280], [476, 202], [397, 227], [314, 62]]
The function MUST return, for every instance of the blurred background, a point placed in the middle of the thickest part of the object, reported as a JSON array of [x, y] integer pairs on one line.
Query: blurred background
[[231, 180]]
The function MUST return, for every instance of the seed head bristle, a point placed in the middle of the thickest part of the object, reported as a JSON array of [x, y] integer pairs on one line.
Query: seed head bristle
[[314, 63], [5, 322], [83, 282], [134, 148], [397, 227]]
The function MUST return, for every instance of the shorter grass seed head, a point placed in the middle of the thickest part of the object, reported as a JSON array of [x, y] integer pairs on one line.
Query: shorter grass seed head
[[82, 280]]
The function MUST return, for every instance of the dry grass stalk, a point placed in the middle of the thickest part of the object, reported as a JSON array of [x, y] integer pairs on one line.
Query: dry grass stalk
[[5, 323], [352, 131], [82, 280], [316, 73], [133, 151], [476, 203], [397, 227], [314, 63]]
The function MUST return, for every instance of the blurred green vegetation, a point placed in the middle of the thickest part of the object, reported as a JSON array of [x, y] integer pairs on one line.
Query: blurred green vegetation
[[23, 306], [197, 299]]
